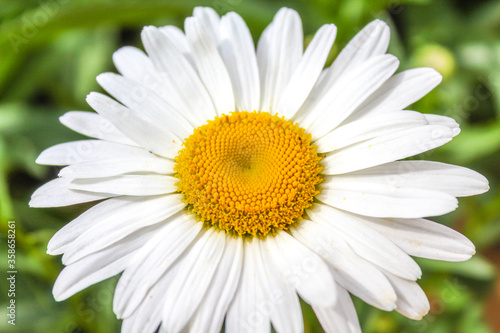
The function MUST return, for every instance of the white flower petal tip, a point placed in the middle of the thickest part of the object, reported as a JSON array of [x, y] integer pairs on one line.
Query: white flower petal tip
[[399, 92], [99, 265], [417, 311], [208, 12], [307, 72], [424, 238], [59, 295], [210, 65], [444, 121], [426, 175], [411, 299], [41, 160], [414, 314], [93, 125], [279, 51], [378, 26], [33, 204], [126, 223], [56, 193], [431, 76], [345, 95], [368, 128], [210, 21], [389, 303], [183, 86], [119, 165], [144, 131], [238, 50], [386, 200], [386, 148]]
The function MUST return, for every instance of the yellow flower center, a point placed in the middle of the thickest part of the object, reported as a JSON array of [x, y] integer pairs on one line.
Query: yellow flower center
[[249, 173]]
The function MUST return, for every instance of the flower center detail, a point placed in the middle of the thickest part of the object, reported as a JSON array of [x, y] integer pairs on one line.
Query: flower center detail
[[249, 173]]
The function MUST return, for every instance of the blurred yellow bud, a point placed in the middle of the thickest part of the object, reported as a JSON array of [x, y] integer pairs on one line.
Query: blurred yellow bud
[[435, 56]]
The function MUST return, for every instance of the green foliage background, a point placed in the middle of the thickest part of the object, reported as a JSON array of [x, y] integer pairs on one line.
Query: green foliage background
[[52, 50]]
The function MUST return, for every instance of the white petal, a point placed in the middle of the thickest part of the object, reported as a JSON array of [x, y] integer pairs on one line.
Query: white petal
[[249, 310], [370, 42], [400, 91], [386, 148], [87, 150], [435, 119], [424, 238], [378, 199], [147, 317], [138, 185], [119, 225], [355, 274], [100, 212], [56, 193], [368, 128], [366, 242], [238, 51], [263, 46], [192, 280], [285, 310], [117, 166], [145, 133], [454, 180], [211, 312], [180, 41], [93, 125], [303, 269], [412, 301], [341, 317], [210, 21], [321, 114], [146, 102], [136, 65], [280, 55], [154, 263], [98, 266], [182, 78], [307, 72], [210, 67], [273, 298]]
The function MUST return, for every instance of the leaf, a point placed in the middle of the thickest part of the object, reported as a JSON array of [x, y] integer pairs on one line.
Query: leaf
[[478, 267], [475, 142]]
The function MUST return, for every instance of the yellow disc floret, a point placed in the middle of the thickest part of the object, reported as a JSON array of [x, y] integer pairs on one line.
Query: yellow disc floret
[[249, 173]]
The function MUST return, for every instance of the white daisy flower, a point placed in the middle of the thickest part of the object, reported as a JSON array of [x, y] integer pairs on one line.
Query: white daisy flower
[[232, 181]]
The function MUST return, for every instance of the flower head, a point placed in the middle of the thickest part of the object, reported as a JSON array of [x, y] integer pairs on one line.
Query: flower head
[[233, 181]]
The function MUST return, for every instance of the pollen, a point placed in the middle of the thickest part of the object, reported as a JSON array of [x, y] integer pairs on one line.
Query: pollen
[[248, 173]]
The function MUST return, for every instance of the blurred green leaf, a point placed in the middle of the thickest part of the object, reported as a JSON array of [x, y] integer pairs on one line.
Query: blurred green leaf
[[477, 267], [472, 320], [474, 143]]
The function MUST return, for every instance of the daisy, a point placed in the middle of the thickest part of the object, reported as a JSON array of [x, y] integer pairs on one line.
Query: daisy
[[231, 181]]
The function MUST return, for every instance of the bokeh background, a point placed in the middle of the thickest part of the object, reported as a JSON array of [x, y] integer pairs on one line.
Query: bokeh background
[[52, 50]]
